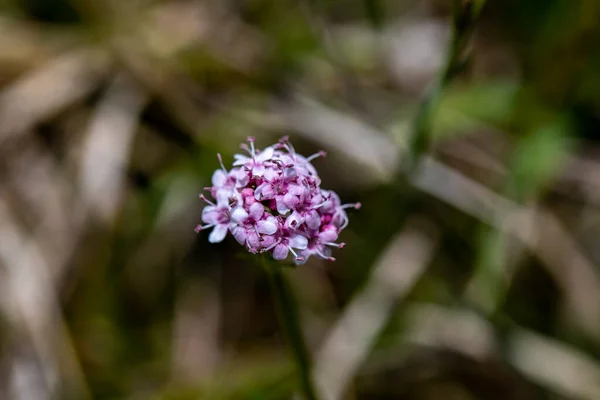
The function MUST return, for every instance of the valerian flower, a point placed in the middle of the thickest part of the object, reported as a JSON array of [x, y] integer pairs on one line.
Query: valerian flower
[[271, 201]]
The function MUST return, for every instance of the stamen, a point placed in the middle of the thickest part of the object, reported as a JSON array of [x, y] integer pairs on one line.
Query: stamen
[[201, 227], [345, 223], [338, 245], [320, 205], [271, 246], [221, 162], [344, 219], [245, 147], [292, 251], [251, 140], [323, 255], [203, 198], [321, 153], [356, 206], [284, 142]]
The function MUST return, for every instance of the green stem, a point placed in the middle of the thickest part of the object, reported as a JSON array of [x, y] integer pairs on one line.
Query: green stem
[[375, 13], [288, 313], [465, 13]]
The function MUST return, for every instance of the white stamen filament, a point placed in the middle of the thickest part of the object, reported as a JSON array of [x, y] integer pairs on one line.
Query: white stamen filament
[[221, 162], [293, 252], [206, 200], [345, 219], [316, 155], [320, 205], [323, 255], [273, 245], [201, 227]]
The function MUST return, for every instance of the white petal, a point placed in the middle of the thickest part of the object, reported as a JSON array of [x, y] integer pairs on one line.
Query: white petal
[[240, 159], [281, 207], [264, 192], [239, 215], [210, 214], [298, 242], [294, 220], [239, 234], [257, 210], [219, 178], [280, 252], [267, 227], [270, 174], [218, 233], [223, 197], [266, 154]]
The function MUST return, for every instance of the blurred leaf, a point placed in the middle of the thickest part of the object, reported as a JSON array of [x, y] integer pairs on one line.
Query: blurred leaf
[[375, 12], [268, 380], [466, 107], [538, 159]]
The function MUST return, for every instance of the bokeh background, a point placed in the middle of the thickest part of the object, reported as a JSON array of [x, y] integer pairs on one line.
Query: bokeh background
[[475, 276]]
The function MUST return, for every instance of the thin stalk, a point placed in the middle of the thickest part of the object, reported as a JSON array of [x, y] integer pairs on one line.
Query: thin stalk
[[375, 13], [287, 309], [465, 13]]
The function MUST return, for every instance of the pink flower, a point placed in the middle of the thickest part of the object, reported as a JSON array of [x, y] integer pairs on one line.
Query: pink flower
[[256, 162], [271, 201], [216, 216], [287, 244]]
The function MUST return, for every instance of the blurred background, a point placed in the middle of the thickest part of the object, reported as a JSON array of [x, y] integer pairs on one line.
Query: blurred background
[[477, 276]]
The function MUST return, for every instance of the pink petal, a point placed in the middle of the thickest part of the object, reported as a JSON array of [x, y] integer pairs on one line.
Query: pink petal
[[256, 210], [268, 241], [253, 240], [297, 190], [258, 170], [290, 200], [294, 220], [280, 252], [266, 154], [267, 227], [270, 174], [219, 178], [240, 235], [289, 174], [218, 233], [210, 215], [312, 219], [329, 234], [264, 192], [298, 242], [239, 215], [241, 177], [223, 196], [281, 207], [240, 159]]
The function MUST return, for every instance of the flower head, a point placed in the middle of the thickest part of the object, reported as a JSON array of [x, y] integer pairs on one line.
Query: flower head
[[271, 201]]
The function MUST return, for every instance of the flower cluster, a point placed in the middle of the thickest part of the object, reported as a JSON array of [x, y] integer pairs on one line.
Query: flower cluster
[[271, 201]]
